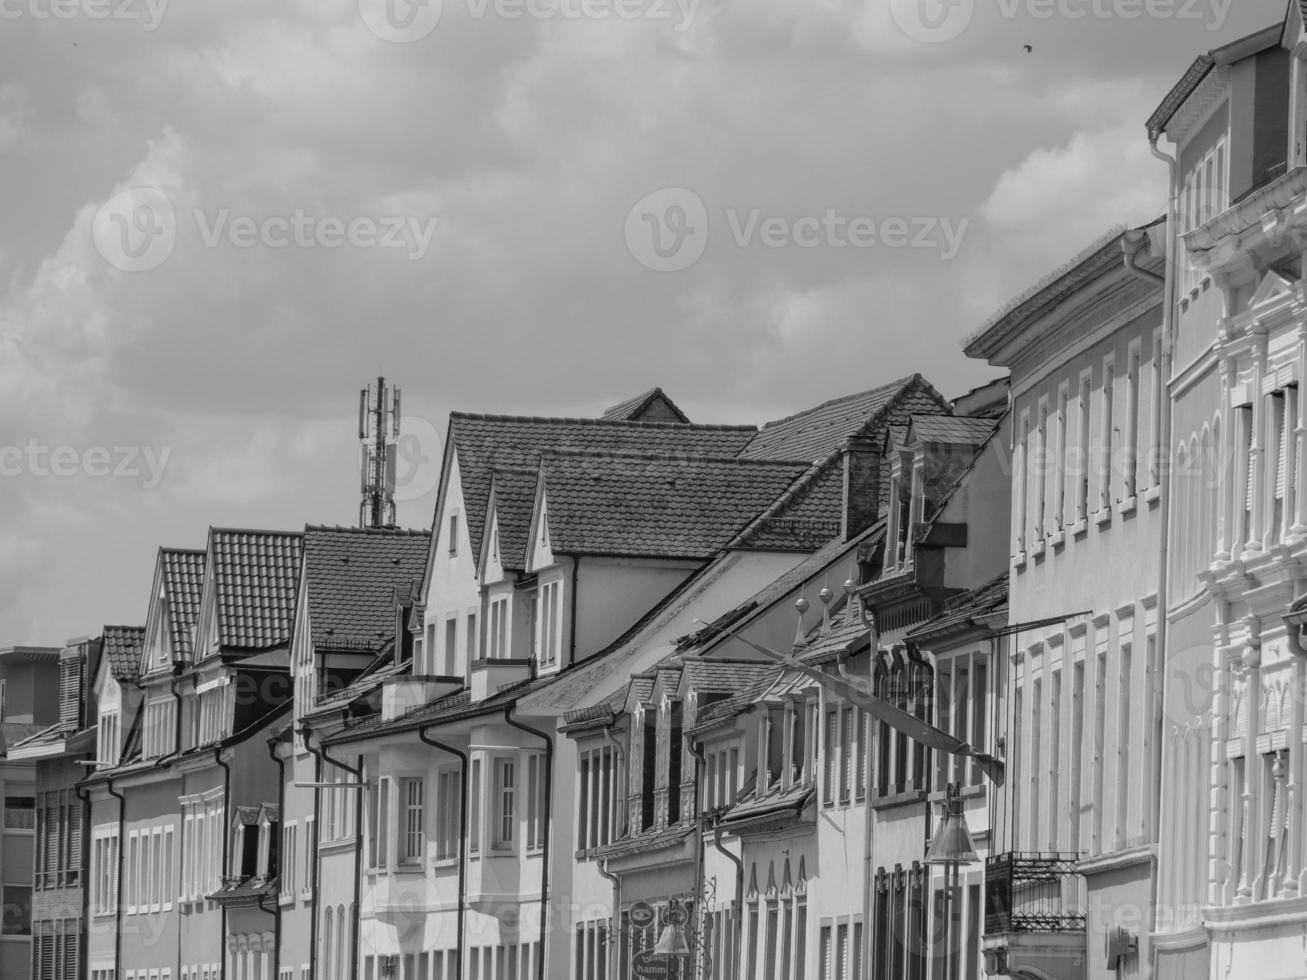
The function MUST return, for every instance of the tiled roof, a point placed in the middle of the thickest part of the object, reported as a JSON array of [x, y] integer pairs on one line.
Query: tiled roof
[[255, 576], [778, 588], [725, 676], [681, 507], [721, 712], [183, 583], [351, 575], [634, 408], [13, 732], [452, 707], [122, 646], [804, 518], [600, 713], [484, 442], [962, 610], [514, 501], [819, 431], [957, 430]]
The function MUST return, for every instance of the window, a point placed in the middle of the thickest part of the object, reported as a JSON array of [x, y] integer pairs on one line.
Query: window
[[289, 857], [474, 809], [17, 919], [1021, 483], [451, 646], [596, 798], [1123, 736], [58, 840], [107, 738], [1039, 467], [548, 641], [1082, 448], [160, 725], [104, 870], [448, 810], [453, 534], [1059, 460], [1132, 422], [536, 801], [504, 787], [471, 636], [497, 640], [411, 793], [70, 690], [1105, 433], [20, 813], [379, 844]]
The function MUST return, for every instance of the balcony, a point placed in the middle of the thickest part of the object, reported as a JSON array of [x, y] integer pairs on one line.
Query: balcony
[[1034, 915]]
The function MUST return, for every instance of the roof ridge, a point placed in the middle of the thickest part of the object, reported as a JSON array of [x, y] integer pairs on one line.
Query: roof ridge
[[899, 383], [668, 457], [620, 423], [164, 549], [256, 530], [379, 531]]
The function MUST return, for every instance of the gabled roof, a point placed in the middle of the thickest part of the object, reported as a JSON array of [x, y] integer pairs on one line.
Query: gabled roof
[[667, 506], [253, 577], [817, 432], [183, 581], [122, 651], [952, 430], [637, 408], [722, 712], [351, 575], [514, 493], [484, 442]]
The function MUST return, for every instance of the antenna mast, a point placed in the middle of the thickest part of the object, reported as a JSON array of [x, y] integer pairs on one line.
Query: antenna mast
[[379, 444]]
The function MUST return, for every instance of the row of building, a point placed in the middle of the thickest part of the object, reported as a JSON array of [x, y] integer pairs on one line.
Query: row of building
[[655, 698]]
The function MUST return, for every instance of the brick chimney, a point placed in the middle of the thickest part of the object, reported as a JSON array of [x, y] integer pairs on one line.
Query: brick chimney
[[862, 479]]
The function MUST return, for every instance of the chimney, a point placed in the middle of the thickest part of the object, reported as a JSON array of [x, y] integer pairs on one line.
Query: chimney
[[861, 485]]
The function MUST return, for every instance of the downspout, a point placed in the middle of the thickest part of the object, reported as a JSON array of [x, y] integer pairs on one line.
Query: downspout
[[177, 668], [571, 626], [313, 844], [281, 858], [357, 773], [1164, 486], [83, 931], [226, 843], [548, 800], [462, 835], [117, 899], [737, 920], [602, 865], [700, 871]]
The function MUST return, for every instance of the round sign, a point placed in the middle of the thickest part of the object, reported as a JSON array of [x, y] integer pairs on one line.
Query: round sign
[[642, 915]]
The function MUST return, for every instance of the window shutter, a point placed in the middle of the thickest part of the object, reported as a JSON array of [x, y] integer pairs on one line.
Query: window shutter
[[1282, 435], [50, 864], [70, 691]]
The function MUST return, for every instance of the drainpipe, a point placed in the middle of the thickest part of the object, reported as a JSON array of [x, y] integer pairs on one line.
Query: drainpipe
[[737, 920], [304, 732], [1164, 488], [571, 626], [177, 668], [602, 866], [226, 842], [281, 858], [549, 806], [83, 932], [700, 871], [117, 899], [462, 833], [357, 773]]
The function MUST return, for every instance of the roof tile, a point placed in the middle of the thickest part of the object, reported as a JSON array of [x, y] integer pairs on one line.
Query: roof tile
[[256, 575], [122, 646]]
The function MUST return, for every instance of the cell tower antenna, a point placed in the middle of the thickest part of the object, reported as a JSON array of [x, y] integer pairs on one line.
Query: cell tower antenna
[[379, 443]]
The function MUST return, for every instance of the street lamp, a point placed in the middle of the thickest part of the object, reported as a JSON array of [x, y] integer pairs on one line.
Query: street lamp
[[951, 847]]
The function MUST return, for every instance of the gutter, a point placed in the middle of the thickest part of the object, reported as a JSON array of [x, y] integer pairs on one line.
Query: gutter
[[462, 836], [1164, 487], [357, 773], [547, 790], [281, 858], [117, 899], [737, 920], [226, 838]]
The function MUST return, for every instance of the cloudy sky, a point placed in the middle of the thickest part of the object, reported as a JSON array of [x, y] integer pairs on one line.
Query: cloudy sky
[[219, 221]]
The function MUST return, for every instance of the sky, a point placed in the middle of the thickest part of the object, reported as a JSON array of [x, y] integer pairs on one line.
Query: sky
[[219, 221]]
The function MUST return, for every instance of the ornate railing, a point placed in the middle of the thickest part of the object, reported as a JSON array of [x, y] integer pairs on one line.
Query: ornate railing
[[1026, 892]]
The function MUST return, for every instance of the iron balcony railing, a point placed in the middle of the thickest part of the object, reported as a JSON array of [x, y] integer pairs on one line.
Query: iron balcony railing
[[1028, 892]]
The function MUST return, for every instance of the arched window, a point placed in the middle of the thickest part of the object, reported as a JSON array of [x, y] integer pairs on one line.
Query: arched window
[[326, 945], [340, 943]]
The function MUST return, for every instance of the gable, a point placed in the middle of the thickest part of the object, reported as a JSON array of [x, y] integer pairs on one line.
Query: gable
[[1272, 287]]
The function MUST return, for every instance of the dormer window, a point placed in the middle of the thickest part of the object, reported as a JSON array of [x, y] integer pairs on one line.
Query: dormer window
[[107, 736], [547, 642], [70, 690], [497, 638]]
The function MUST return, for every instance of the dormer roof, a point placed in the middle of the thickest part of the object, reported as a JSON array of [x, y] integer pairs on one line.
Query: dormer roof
[[650, 406]]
